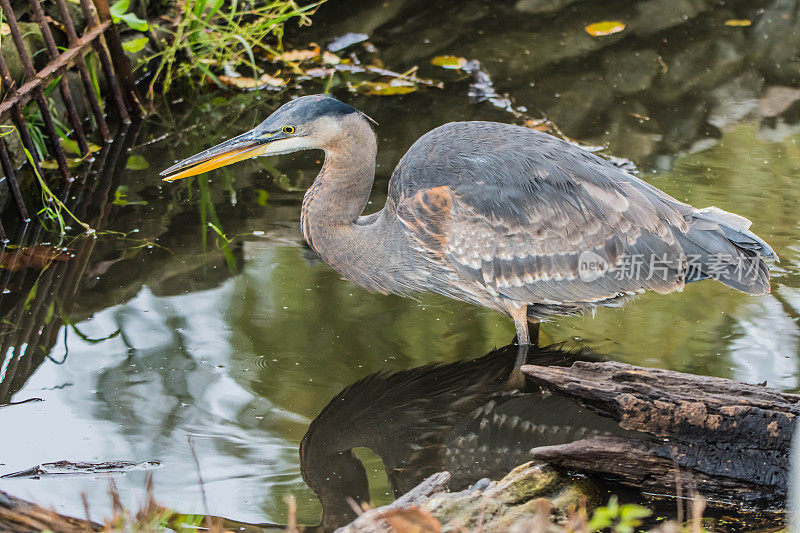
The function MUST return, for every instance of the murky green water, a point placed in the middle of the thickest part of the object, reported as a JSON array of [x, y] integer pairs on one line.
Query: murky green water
[[140, 342]]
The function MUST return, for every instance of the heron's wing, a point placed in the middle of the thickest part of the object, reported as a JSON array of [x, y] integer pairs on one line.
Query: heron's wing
[[519, 222]]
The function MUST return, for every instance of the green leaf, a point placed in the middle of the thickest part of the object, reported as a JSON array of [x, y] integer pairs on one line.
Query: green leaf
[[134, 22], [738, 22], [379, 88], [31, 296], [118, 14], [137, 162], [211, 76], [121, 197], [53, 84], [606, 27], [451, 62], [119, 8], [631, 511], [69, 146], [135, 45], [601, 519], [613, 506], [50, 164], [214, 8]]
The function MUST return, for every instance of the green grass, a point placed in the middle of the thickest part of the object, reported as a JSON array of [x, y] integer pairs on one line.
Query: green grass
[[208, 36]]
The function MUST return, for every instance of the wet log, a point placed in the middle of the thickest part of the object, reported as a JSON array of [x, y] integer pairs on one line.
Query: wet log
[[19, 516], [730, 440]]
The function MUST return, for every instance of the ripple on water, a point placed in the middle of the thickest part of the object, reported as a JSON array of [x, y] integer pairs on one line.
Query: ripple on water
[[290, 363]]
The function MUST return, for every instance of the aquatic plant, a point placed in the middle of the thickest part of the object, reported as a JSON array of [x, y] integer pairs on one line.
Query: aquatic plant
[[213, 36]]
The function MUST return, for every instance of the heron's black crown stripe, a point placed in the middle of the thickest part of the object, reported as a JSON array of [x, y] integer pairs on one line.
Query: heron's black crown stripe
[[324, 106]]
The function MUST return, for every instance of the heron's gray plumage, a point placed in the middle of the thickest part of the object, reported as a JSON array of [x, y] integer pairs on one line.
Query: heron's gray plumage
[[500, 215], [511, 209]]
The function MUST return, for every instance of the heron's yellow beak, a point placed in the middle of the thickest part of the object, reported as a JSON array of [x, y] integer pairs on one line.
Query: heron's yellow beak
[[231, 151], [221, 160]]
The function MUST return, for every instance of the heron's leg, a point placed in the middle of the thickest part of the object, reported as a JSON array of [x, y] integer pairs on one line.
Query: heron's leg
[[534, 329], [516, 379], [520, 316]]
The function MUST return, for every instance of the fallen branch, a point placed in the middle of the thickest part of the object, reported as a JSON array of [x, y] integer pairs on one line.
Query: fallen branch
[[487, 506], [732, 438]]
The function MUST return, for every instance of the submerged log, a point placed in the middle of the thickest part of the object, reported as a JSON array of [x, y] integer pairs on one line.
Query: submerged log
[[730, 440]]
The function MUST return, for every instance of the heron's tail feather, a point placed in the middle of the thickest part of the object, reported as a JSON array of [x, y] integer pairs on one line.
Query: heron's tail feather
[[720, 246]]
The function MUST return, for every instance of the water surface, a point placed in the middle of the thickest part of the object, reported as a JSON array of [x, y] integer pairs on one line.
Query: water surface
[[173, 331]]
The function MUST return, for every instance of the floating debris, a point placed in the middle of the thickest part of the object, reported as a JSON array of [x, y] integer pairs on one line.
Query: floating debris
[[606, 27], [390, 88], [346, 40], [248, 84], [69, 468], [330, 58], [481, 89], [450, 62], [409, 75], [738, 22], [319, 72], [37, 257], [297, 56]]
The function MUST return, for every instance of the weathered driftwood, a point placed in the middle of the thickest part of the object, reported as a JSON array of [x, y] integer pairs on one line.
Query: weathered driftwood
[[731, 439], [489, 506]]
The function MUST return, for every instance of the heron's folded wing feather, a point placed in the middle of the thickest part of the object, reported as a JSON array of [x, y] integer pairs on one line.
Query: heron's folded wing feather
[[530, 251], [512, 209]]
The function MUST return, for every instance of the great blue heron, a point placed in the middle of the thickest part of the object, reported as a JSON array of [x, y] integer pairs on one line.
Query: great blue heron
[[496, 215]]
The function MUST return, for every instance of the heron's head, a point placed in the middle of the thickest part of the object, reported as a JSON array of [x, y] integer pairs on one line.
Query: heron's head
[[307, 123]]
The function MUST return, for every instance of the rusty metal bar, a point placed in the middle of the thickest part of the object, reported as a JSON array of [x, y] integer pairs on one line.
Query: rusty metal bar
[[99, 47], [25, 325], [30, 328], [11, 180], [63, 84], [30, 74], [26, 92], [99, 33], [19, 118], [97, 111], [7, 276], [118, 57]]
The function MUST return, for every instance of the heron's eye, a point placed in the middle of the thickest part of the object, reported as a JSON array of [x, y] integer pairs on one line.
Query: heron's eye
[[288, 129]]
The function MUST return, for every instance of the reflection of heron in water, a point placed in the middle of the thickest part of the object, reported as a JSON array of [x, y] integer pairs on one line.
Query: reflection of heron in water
[[496, 215], [455, 417]]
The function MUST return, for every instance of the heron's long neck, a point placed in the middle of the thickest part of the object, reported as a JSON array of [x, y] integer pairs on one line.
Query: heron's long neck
[[334, 202], [341, 191]]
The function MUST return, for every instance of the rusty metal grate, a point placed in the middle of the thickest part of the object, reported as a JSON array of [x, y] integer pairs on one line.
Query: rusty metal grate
[[29, 329], [101, 36]]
